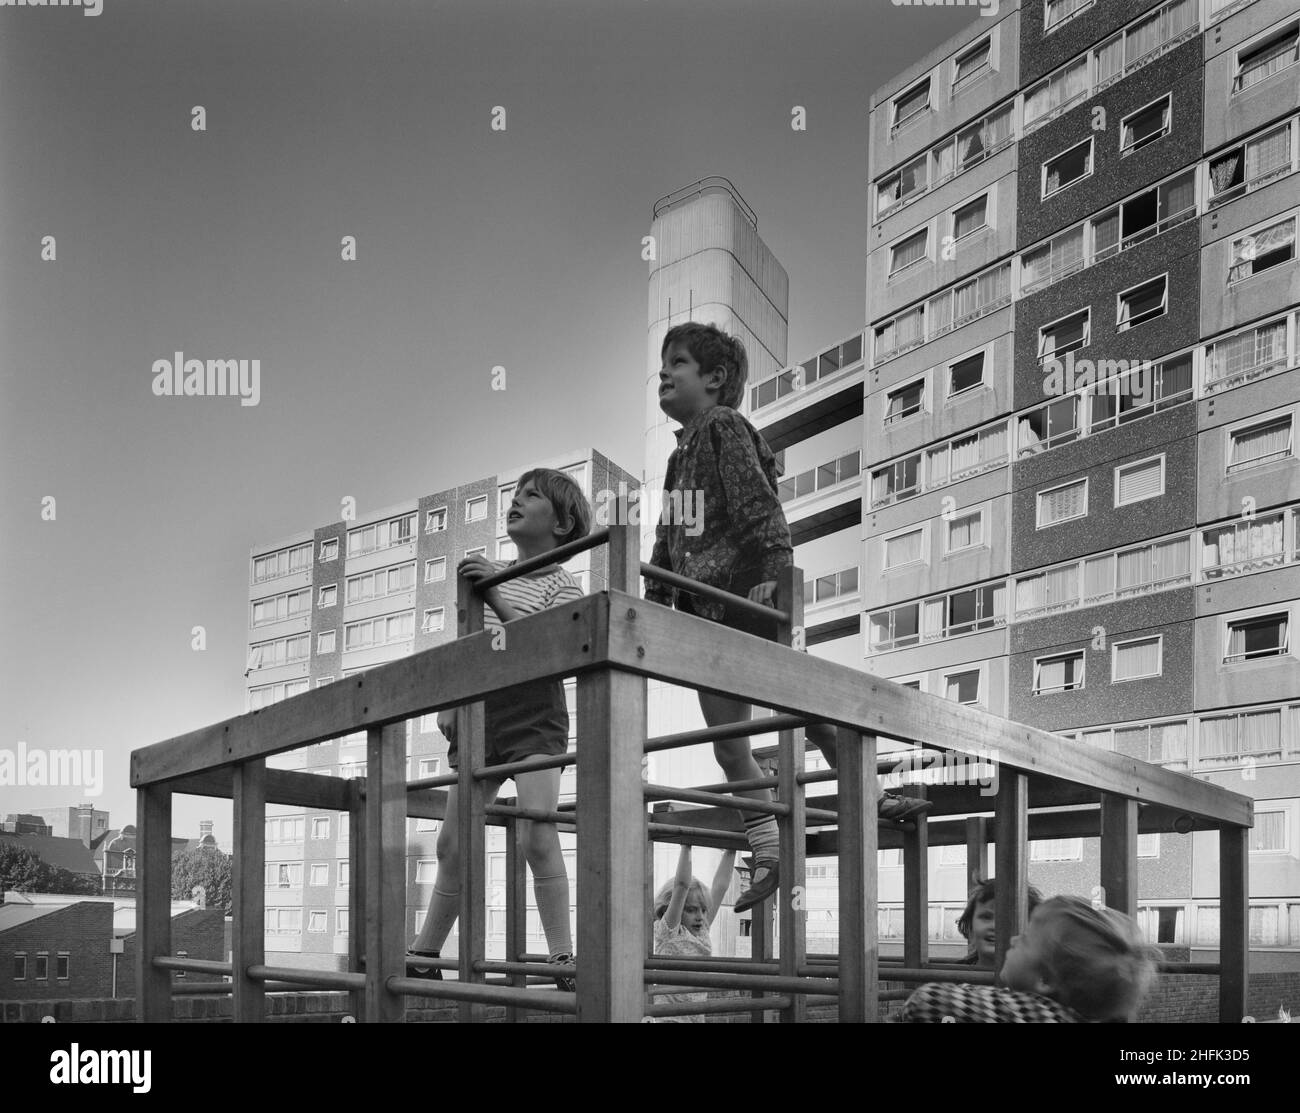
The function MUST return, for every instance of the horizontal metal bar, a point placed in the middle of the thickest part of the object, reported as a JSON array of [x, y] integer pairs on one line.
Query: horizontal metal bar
[[593, 540], [745, 728], [707, 980], [548, 1000], [528, 765], [564, 822], [719, 1005], [447, 780], [736, 603], [193, 965], [816, 777], [549, 969], [717, 799], [739, 786], [926, 974], [325, 979], [697, 836], [716, 964], [1189, 968]]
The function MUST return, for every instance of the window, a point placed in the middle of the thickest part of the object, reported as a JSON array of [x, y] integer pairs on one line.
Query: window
[[317, 920], [905, 401], [476, 509], [480, 550], [968, 610], [908, 251], [341, 921], [20, 966], [279, 607], [1251, 638], [909, 105], [435, 521], [283, 921], [328, 595], [430, 767], [1269, 832], [1244, 546], [910, 180], [320, 827], [319, 874], [896, 481], [435, 570], [822, 477], [426, 871], [966, 455], [970, 217], [434, 620], [1063, 673], [1061, 11], [281, 563], [1246, 356], [1067, 168], [1265, 58], [1051, 96], [1262, 250], [1059, 257], [1056, 850], [831, 586], [1063, 504], [1136, 659], [506, 550], [1253, 445], [344, 873], [1227, 739], [1066, 335], [1144, 126], [963, 687], [284, 875], [972, 64], [905, 548], [42, 965], [966, 374], [1148, 846], [325, 641], [321, 681], [1140, 481], [381, 535], [965, 531], [1247, 167], [1142, 303], [895, 628], [329, 550], [384, 630]]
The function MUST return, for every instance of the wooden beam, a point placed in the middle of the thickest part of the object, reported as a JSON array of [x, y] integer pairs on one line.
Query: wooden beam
[[153, 910], [977, 850], [916, 892], [791, 826], [1012, 854], [684, 649], [357, 891], [611, 857], [545, 645], [1234, 922], [292, 788], [248, 882], [471, 800], [385, 814], [859, 950], [1119, 832], [516, 893]]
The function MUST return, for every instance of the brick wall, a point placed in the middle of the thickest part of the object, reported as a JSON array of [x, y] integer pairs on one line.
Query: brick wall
[[82, 930]]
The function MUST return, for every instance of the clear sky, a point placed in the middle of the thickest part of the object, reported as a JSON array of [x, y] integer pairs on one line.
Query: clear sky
[[475, 248]]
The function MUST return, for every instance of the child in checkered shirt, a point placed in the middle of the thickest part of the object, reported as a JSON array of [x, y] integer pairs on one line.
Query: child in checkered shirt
[[1074, 964]]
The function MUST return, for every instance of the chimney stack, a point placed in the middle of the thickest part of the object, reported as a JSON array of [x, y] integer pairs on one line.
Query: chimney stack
[[86, 823], [205, 828]]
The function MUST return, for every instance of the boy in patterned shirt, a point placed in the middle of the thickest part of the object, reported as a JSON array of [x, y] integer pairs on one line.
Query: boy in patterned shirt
[[742, 547], [1074, 964]]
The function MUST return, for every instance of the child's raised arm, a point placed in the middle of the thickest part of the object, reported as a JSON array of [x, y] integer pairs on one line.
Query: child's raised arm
[[681, 886], [721, 883]]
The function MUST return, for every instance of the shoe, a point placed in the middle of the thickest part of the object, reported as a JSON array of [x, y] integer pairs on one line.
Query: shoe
[[759, 890], [895, 807], [432, 973], [566, 985]]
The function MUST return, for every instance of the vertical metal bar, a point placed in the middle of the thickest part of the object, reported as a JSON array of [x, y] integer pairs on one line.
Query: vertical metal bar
[[611, 854], [859, 794], [791, 828], [916, 891], [248, 939], [1012, 853], [516, 892], [385, 870], [1234, 919], [977, 850], [471, 816], [1119, 832], [357, 888], [153, 921]]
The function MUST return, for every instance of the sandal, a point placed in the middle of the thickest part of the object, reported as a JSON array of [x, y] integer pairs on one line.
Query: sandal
[[759, 891], [895, 807]]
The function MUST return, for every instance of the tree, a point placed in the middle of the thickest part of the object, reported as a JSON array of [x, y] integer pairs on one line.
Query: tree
[[206, 866], [24, 872]]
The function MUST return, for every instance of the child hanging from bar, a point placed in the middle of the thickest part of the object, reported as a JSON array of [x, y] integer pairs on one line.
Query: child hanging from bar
[[548, 510], [1074, 964], [742, 545], [684, 911]]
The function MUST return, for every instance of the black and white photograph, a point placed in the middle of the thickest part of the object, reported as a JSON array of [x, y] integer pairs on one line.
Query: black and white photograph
[[650, 512]]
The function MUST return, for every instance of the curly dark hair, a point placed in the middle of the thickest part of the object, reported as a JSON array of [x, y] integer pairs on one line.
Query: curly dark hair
[[711, 348], [984, 891]]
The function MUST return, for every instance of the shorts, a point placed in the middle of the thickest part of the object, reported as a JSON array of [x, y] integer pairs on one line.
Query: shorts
[[735, 619], [526, 721]]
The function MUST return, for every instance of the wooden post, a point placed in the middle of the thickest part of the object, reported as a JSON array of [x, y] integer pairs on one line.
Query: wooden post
[[357, 890], [1119, 832], [385, 870], [1234, 922], [859, 794], [516, 888], [248, 937], [791, 828], [624, 553], [977, 850], [916, 893], [611, 857], [1012, 854], [153, 912], [470, 814]]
